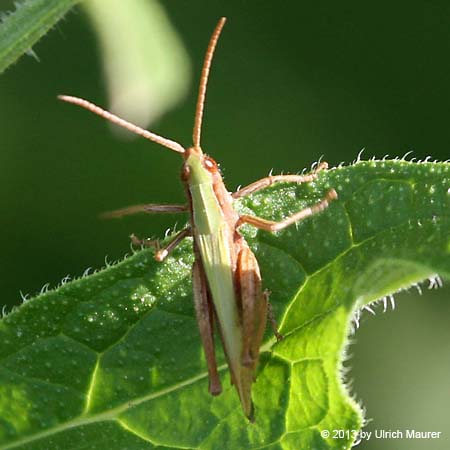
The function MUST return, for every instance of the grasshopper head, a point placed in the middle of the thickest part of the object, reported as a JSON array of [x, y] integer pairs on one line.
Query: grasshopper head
[[199, 168]]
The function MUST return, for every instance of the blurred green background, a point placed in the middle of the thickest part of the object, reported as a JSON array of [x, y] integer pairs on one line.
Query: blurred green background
[[291, 81]]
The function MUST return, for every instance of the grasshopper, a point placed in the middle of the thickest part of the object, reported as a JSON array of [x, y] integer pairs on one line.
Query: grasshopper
[[226, 278]]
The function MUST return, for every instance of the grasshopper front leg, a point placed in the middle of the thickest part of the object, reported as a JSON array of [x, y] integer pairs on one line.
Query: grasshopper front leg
[[162, 252], [272, 179], [150, 208], [205, 320]]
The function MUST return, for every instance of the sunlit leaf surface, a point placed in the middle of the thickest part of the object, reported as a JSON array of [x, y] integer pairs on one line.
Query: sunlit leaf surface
[[113, 360]]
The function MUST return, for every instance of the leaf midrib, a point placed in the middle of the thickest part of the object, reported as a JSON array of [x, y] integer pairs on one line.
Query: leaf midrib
[[110, 415]]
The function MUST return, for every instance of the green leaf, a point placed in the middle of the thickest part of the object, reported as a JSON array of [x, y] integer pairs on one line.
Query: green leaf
[[113, 360], [21, 29]]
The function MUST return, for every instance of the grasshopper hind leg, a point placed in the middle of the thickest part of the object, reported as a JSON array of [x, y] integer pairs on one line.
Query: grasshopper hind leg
[[254, 306], [205, 318]]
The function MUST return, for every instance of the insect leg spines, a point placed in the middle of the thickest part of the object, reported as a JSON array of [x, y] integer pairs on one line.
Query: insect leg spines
[[205, 320]]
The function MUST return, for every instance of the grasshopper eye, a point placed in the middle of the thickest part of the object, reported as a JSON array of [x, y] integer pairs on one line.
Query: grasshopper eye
[[210, 165], [185, 172]]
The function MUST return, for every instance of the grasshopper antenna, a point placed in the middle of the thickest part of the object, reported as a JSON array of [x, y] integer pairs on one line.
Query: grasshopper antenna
[[204, 81], [172, 145]]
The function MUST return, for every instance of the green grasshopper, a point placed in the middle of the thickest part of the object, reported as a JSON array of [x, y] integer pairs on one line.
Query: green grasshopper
[[226, 278]]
